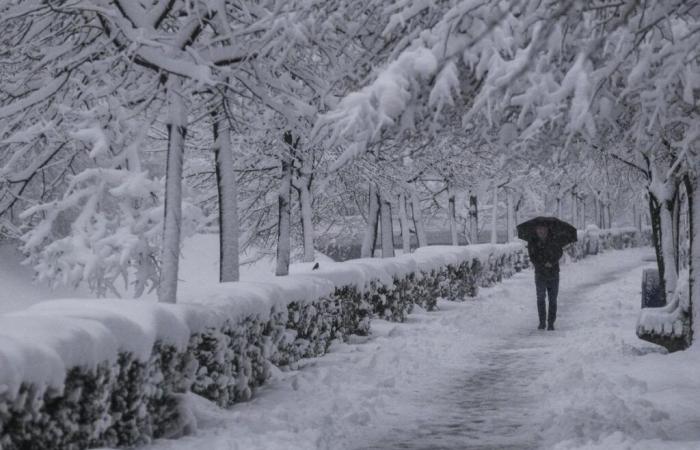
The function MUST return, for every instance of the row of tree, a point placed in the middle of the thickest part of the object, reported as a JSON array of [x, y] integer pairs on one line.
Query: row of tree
[[126, 125], [611, 83]]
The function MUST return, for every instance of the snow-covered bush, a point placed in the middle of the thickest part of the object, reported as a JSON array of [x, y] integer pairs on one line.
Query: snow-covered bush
[[120, 403], [594, 240], [669, 325], [389, 301]]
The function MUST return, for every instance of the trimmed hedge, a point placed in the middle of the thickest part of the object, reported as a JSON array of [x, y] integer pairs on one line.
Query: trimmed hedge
[[131, 401], [594, 240]]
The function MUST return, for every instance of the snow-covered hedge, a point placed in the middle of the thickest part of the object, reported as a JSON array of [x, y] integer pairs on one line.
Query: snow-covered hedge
[[594, 240], [669, 326], [86, 373]]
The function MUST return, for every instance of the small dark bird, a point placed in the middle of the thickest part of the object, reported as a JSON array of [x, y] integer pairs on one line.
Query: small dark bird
[[315, 267]]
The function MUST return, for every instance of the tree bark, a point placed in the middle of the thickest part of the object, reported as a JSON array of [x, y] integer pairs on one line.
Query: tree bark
[[405, 227], [284, 196], [170, 258], [668, 247], [370, 239], [693, 188], [675, 228], [452, 213], [662, 229], [494, 214], [516, 216], [474, 219], [596, 212], [307, 225], [510, 219], [559, 207], [227, 189], [655, 217], [387, 227], [418, 223]]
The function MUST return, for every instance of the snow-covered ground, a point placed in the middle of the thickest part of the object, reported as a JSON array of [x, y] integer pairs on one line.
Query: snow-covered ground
[[478, 375]]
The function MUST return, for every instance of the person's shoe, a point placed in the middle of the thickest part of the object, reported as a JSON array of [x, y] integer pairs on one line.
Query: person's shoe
[[541, 327], [550, 327]]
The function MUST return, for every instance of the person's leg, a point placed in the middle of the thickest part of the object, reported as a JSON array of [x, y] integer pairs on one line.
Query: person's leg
[[541, 287], [552, 293]]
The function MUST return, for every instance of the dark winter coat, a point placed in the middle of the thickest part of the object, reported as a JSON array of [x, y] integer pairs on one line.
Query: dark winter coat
[[543, 252]]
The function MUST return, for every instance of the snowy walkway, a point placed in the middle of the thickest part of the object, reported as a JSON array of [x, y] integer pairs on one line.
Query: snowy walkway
[[477, 375]]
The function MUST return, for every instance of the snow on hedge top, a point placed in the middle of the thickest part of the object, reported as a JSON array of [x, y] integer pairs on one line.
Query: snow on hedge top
[[668, 320], [39, 344]]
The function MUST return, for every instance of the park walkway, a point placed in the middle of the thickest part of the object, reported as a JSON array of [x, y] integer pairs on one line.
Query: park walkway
[[476, 375], [495, 403]]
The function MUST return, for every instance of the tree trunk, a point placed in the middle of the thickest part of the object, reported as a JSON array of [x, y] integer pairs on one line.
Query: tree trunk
[[662, 231], [307, 225], [494, 214], [693, 188], [516, 216], [473, 219], [655, 218], [387, 227], [510, 219], [418, 223], [583, 213], [601, 211], [452, 213], [667, 247], [370, 239], [405, 227], [574, 208], [560, 208], [228, 203], [608, 213], [596, 212], [177, 132], [676, 223], [284, 247]]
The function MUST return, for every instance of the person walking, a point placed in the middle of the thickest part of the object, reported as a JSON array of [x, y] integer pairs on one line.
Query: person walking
[[544, 254], [546, 238]]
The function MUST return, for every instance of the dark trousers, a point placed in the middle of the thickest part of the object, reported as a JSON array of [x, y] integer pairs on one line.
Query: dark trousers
[[547, 285]]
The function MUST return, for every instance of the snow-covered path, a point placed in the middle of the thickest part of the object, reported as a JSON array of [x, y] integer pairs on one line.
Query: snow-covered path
[[478, 375], [491, 404]]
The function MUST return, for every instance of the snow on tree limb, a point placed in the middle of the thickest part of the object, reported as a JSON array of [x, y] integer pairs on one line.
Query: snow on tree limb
[[38, 96], [362, 115]]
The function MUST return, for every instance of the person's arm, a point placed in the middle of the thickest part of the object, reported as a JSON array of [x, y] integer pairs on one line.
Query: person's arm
[[559, 253], [554, 254], [535, 256]]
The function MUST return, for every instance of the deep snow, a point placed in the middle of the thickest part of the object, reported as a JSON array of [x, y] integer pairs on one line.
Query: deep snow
[[478, 375]]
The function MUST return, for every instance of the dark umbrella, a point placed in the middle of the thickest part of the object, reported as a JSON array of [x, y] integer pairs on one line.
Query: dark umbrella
[[559, 231]]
